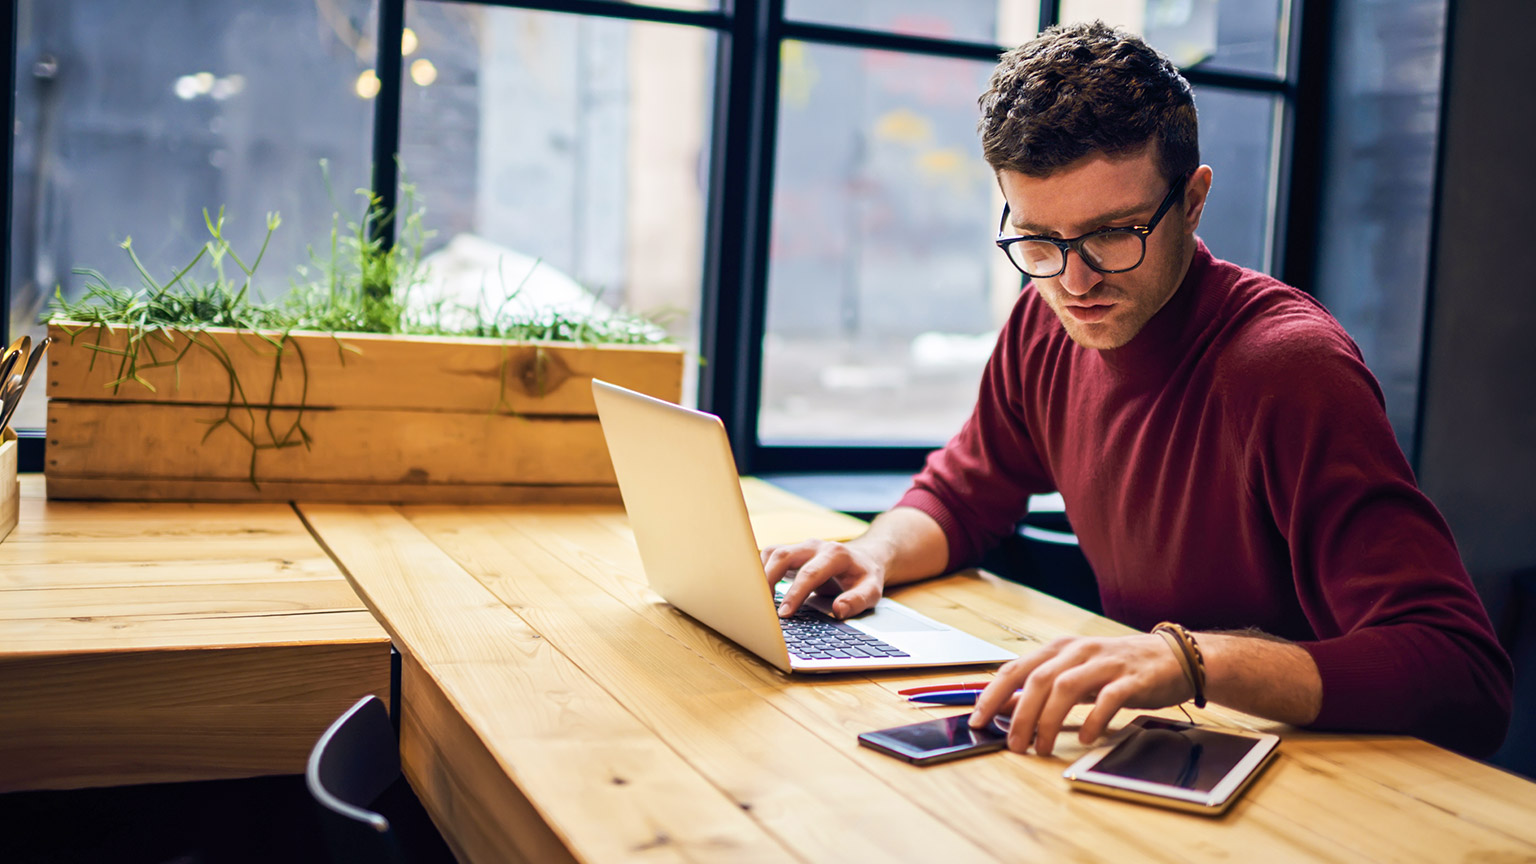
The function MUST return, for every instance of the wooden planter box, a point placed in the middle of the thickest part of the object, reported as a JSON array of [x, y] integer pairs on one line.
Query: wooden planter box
[[387, 418]]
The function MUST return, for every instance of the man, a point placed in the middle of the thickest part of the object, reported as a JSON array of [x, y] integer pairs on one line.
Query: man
[[1223, 452]]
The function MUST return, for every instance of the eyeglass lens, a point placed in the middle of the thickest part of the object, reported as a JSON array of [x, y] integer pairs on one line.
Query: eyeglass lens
[[1119, 250]]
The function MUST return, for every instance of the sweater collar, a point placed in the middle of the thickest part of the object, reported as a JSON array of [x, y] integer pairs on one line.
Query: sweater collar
[[1170, 333]]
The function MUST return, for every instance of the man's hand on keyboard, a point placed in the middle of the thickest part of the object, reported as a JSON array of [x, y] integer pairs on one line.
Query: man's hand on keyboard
[[825, 567]]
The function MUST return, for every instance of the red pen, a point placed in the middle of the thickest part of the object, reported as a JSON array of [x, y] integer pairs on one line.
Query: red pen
[[940, 688]]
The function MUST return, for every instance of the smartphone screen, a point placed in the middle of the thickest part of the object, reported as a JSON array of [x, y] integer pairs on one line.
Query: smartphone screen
[[935, 740], [1176, 754]]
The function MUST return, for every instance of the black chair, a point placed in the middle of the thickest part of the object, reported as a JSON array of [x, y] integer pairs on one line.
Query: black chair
[[1517, 632], [356, 766], [1043, 554]]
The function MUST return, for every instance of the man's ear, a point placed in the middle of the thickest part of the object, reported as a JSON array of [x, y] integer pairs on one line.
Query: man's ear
[[1195, 194]]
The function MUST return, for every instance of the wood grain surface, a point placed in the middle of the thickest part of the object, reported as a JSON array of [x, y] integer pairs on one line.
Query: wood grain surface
[[360, 417], [144, 643], [552, 681], [554, 708], [102, 441], [605, 784], [360, 370], [127, 489]]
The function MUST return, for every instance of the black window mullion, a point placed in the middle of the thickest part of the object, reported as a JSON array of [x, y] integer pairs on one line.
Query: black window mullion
[[1301, 156], [8, 83], [1245, 81], [885, 40], [386, 117], [1050, 13], [611, 9], [30, 446], [839, 458], [734, 306]]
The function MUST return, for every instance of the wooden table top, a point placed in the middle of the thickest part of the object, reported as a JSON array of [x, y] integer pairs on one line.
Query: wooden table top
[[556, 709], [152, 642]]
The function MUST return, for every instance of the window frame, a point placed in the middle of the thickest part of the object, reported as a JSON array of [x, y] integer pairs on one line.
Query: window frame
[[734, 321], [739, 198]]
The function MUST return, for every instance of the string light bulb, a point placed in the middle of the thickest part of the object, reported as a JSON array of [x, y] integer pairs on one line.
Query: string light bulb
[[367, 85], [423, 72]]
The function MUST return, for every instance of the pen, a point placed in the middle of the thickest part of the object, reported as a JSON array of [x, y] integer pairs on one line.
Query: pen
[[947, 697], [936, 688]]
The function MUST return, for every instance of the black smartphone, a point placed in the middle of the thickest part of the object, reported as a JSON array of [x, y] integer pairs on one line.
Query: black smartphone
[[936, 740]]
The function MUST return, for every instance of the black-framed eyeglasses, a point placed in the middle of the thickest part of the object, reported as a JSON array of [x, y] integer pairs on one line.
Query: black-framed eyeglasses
[[1108, 250]]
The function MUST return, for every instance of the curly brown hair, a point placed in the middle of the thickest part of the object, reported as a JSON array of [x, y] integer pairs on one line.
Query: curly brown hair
[[1078, 89]]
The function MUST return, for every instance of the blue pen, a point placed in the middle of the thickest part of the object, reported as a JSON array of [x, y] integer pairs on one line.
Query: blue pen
[[947, 697]]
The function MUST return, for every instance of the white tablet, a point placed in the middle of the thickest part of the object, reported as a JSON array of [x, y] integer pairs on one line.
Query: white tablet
[[1173, 764]]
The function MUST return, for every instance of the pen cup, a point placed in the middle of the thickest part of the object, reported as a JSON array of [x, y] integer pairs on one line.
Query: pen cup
[[10, 487]]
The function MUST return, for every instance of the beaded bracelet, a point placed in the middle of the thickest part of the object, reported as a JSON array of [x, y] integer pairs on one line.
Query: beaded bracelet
[[1183, 644], [1177, 648]]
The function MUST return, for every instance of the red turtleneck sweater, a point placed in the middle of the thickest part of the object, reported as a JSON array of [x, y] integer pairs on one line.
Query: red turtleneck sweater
[[1232, 466]]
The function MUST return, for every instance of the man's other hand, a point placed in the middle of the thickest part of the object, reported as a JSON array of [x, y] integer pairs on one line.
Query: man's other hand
[[1110, 673], [825, 567]]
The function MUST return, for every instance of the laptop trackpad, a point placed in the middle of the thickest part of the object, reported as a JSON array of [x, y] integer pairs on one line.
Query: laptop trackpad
[[886, 617]]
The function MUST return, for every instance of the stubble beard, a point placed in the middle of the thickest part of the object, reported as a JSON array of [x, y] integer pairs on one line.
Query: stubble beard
[[1126, 320], [1099, 336]]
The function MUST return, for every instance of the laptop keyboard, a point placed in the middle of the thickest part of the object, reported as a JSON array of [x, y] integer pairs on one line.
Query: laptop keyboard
[[813, 635]]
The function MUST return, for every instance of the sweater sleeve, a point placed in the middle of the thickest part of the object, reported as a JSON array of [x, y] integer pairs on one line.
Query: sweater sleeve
[[1404, 644], [977, 486]]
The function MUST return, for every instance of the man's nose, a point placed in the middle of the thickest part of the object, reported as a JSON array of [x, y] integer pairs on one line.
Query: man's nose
[[1078, 279]]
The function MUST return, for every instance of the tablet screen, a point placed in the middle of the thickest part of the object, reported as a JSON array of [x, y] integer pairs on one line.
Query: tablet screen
[[1176, 754]]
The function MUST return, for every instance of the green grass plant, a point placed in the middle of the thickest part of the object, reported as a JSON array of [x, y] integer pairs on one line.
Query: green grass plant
[[358, 285], [163, 322]]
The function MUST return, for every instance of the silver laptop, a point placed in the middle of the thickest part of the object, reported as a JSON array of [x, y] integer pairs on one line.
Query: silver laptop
[[683, 496]]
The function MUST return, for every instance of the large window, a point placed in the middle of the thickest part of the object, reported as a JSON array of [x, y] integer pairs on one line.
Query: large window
[[561, 159], [218, 103], [1376, 216], [794, 187], [882, 295], [881, 302]]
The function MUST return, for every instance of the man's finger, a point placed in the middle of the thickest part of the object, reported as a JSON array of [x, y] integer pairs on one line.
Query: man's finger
[[826, 562], [863, 595], [1009, 678], [779, 560], [1112, 697], [1032, 696], [1072, 687]]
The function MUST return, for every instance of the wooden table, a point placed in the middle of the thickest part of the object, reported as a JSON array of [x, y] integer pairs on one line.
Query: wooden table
[[555, 709], [144, 643]]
